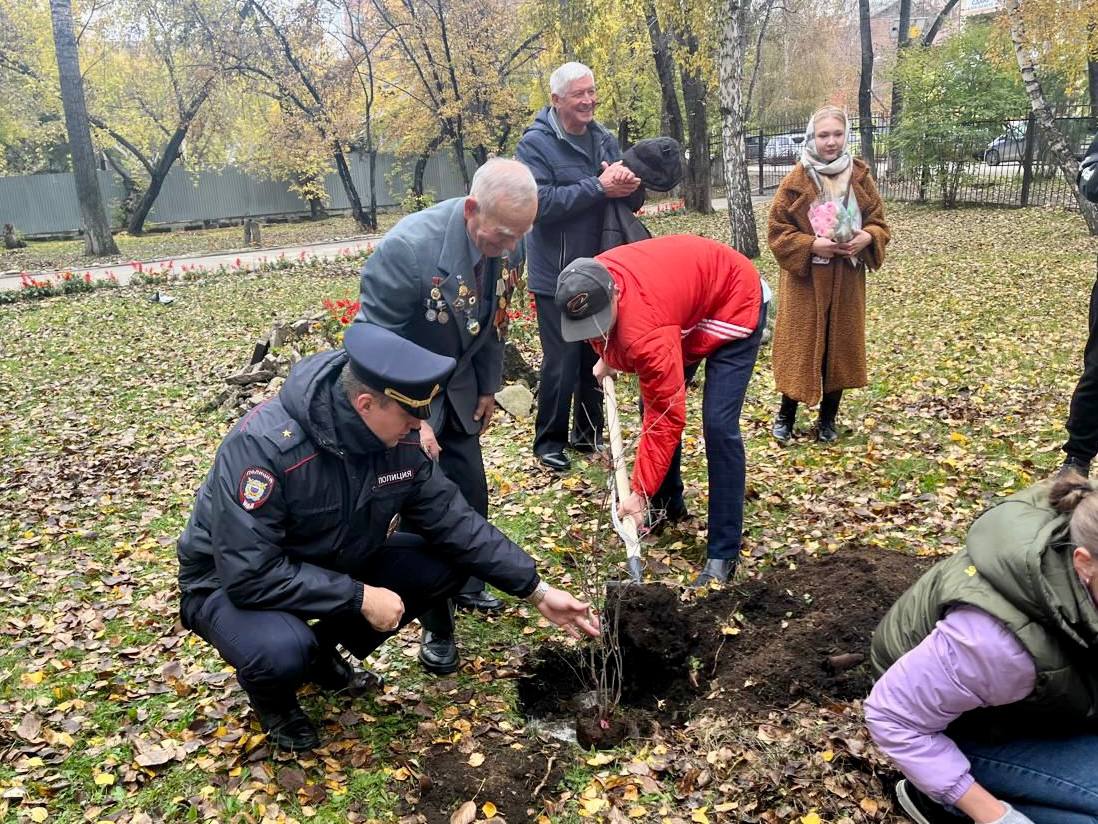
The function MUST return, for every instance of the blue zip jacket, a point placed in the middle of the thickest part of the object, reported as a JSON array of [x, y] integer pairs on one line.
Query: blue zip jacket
[[571, 201]]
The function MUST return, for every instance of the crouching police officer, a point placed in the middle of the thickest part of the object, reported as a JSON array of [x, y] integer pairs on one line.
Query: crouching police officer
[[293, 523]]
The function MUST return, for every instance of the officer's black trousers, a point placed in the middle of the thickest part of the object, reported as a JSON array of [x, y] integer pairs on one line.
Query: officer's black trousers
[[462, 462], [1082, 422], [272, 650], [566, 384]]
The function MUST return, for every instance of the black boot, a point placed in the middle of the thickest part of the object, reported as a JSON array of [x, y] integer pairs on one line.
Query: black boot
[[287, 727], [438, 653], [480, 600], [720, 570], [331, 671], [1072, 464], [783, 424], [829, 408]]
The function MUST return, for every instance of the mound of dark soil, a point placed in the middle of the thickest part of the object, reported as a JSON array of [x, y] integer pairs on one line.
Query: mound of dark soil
[[759, 645]]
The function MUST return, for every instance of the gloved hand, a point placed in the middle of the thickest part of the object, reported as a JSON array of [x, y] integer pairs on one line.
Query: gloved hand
[[1012, 816]]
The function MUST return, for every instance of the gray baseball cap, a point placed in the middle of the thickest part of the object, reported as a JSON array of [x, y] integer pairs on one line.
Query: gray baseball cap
[[584, 296]]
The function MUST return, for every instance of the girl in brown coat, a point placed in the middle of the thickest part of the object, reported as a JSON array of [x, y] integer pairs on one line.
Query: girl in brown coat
[[819, 335]]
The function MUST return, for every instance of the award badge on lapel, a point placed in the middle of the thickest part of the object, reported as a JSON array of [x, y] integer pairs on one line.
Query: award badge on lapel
[[505, 290]]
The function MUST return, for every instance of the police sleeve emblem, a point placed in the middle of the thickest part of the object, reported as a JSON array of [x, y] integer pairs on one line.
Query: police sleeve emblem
[[256, 486]]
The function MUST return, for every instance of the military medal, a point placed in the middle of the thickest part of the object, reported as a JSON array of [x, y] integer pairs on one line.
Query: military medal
[[458, 304], [436, 293], [472, 300], [443, 316], [473, 325], [431, 315]]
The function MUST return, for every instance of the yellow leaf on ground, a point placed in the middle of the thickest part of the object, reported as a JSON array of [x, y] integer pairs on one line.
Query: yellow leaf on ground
[[869, 805], [638, 811], [400, 774], [103, 779], [592, 806], [730, 630], [600, 758], [489, 809], [465, 814], [476, 759], [38, 814], [30, 679], [827, 755], [699, 816], [811, 818]]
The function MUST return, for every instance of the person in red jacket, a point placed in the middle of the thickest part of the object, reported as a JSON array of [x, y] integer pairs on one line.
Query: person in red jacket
[[657, 308]]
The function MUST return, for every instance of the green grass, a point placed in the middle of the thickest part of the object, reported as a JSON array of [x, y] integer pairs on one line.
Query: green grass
[[975, 328]]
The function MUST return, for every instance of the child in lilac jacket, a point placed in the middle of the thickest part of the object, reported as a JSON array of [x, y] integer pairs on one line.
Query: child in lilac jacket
[[988, 701]]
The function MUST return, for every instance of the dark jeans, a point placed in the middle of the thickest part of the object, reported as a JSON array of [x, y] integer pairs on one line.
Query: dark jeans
[[1082, 422], [272, 650], [566, 385], [727, 373], [1051, 780], [462, 462]]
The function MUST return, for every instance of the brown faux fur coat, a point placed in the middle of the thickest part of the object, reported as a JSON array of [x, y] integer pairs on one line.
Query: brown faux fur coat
[[821, 307]]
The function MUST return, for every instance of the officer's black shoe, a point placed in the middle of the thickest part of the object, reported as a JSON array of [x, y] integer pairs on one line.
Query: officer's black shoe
[[1074, 465], [557, 461], [589, 447], [288, 728], [826, 432], [438, 654], [920, 808], [720, 570], [331, 671], [479, 600]]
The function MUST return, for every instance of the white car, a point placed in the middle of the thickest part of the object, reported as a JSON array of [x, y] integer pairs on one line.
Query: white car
[[783, 148]]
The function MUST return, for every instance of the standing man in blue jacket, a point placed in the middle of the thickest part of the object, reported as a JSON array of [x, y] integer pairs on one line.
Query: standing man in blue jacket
[[442, 278], [577, 165]]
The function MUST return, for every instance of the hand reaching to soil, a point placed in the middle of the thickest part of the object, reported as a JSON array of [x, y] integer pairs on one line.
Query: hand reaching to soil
[[571, 615]]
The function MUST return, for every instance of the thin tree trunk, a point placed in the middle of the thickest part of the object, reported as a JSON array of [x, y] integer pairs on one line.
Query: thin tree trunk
[[903, 39], [371, 215], [865, 87], [670, 113], [731, 49], [936, 26], [1092, 86], [698, 189], [1057, 143], [348, 182], [97, 229]]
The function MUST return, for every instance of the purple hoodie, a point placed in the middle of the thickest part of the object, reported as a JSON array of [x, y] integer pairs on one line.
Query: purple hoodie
[[968, 660]]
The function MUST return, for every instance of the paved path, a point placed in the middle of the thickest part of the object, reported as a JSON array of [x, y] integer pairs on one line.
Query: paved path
[[248, 259]]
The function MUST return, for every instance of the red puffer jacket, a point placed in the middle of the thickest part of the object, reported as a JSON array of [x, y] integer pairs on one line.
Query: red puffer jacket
[[680, 298]]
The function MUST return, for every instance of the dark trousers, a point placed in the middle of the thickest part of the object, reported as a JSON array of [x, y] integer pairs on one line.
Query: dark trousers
[[462, 462], [1082, 422], [272, 650], [727, 373], [566, 385]]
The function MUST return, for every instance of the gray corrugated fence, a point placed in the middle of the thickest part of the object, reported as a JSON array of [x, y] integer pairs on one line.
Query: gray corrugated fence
[[46, 204]]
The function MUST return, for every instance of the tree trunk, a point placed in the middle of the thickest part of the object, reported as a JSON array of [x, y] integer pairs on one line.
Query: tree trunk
[[936, 26], [865, 87], [1092, 86], [903, 39], [625, 133], [97, 229], [316, 209], [459, 156], [731, 49], [349, 186], [131, 191], [670, 113], [1057, 143], [698, 192], [371, 156]]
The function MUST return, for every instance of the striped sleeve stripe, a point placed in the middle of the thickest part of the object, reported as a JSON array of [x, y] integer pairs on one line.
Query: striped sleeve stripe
[[731, 327]]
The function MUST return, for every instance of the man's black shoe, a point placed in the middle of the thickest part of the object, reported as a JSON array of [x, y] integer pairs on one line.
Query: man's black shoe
[[720, 570], [920, 808], [589, 448], [479, 600], [438, 654], [1074, 465], [331, 671], [557, 461], [826, 432], [288, 728], [782, 431]]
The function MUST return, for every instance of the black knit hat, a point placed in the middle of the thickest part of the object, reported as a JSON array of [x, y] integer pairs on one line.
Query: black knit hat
[[657, 161]]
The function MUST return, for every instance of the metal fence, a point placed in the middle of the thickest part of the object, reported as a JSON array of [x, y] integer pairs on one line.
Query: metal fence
[[989, 162], [46, 204]]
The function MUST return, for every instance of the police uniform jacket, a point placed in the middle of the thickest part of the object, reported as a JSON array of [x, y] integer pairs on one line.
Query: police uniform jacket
[[428, 251], [301, 492]]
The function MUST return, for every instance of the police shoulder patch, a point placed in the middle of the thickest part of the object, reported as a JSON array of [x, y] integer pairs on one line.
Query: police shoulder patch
[[256, 486]]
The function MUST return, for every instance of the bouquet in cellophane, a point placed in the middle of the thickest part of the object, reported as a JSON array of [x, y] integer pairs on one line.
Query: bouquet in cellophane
[[834, 220]]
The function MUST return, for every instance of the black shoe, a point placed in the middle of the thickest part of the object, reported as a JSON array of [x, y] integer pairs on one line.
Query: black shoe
[[920, 808], [720, 570], [288, 728], [331, 671], [1074, 465], [556, 461], [479, 600], [826, 432], [589, 448], [782, 430], [438, 654]]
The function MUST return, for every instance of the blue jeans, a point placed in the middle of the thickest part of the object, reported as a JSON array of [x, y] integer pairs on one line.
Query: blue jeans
[[727, 373], [1051, 780]]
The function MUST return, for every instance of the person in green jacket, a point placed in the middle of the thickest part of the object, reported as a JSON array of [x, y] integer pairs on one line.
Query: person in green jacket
[[987, 698]]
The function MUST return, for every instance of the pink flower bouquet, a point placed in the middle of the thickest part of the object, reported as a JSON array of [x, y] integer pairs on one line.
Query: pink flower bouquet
[[832, 220]]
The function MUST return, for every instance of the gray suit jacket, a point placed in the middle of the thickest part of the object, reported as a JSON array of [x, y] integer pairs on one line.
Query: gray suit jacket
[[425, 251]]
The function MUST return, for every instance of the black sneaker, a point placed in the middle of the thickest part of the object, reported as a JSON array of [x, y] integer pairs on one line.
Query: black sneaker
[[782, 431], [920, 808], [826, 432], [288, 728]]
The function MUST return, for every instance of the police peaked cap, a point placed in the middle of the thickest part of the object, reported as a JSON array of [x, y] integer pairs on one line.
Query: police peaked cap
[[399, 369]]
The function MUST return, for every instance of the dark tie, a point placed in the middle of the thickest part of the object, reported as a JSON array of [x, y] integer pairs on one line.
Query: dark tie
[[478, 274]]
